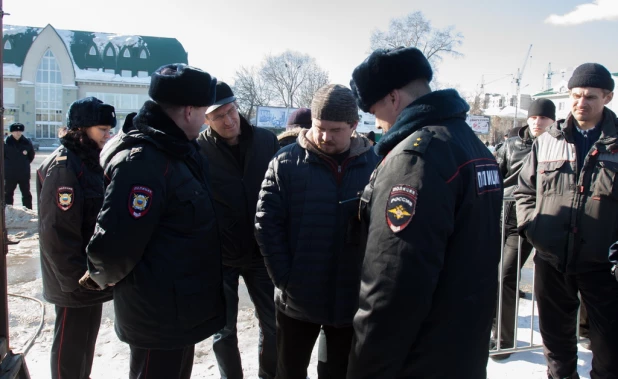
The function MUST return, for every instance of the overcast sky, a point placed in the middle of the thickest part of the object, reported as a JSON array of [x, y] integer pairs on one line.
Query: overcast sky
[[221, 36]]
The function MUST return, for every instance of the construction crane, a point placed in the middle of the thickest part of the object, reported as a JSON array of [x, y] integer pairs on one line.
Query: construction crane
[[547, 77], [549, 74], [517, 80]]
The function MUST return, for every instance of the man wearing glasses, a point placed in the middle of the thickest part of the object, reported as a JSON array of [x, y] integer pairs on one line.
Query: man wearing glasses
[[238, 155]]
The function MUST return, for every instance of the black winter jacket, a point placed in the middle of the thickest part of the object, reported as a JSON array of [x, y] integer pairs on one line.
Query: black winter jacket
[[429, 277], [70, 192], [235, 189], [511, 157], [157, 236], [18, 154], [571, 219], [308, 231]]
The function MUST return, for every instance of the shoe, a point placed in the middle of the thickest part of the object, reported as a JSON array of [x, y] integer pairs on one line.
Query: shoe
[[497, 357], [522, 294]]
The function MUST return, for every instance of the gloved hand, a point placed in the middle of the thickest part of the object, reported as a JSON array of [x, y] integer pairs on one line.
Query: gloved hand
[[87, 282]]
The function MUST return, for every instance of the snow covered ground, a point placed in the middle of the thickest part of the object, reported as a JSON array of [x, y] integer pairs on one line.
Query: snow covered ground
[[112, 356]]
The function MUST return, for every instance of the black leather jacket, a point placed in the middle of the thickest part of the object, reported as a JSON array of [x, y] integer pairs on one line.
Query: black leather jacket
[[511, 157]]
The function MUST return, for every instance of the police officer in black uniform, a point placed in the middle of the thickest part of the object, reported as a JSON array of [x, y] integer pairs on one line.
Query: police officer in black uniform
[[70, 191], [18, 154], [157, 238], [430, 273]]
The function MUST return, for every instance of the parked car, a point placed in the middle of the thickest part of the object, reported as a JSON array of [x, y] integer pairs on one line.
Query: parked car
[[35, 143]]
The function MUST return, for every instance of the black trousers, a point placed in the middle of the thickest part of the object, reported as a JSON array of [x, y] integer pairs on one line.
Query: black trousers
[[24, 187], [558, 304], [295, 342], [75, 335], [161, 364], [510, 272]]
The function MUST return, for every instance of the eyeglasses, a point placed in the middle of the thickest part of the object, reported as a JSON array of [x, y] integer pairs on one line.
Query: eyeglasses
[[220, 117]]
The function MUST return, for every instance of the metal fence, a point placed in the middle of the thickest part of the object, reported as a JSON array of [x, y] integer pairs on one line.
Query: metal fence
[[518, 346]]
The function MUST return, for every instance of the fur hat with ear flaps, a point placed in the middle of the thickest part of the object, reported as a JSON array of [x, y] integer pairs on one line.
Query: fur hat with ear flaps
[[90, 111], [385, 70]]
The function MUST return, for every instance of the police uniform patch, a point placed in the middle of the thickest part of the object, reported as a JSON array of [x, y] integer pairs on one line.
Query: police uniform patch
[[140, 199], [65, 196], [400, 207], [487, 178]]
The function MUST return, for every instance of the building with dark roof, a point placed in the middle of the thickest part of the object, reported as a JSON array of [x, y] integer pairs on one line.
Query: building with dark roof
[[46, 69]]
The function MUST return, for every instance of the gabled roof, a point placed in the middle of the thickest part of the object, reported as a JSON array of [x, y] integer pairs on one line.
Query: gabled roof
[[101, 51]]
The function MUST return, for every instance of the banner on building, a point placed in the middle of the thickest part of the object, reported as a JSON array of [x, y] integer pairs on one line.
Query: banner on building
[[479, 124], [273, 117]]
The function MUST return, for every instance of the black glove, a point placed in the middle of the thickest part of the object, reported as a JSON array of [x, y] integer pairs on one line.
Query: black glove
[[87, 282]]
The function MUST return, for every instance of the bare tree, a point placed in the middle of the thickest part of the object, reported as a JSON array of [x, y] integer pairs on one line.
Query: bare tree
[[291, 74], [414, 30], [315, 80], [250, 91]]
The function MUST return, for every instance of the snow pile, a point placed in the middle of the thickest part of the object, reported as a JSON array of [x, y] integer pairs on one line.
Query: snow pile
[[21, 219], [119, 41], [9, 30], [11, 69]]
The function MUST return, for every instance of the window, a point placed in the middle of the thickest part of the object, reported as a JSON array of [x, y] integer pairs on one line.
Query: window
[[110, 71], [7, 45], [142, 74], [48, 97], [143, 55], [93, 69], [127, 53], [126, 73], [121, 101], [109, 52], [93, 51], [9, 96], [561, 105]]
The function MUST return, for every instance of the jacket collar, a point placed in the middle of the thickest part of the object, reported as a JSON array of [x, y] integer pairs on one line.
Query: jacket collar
[[429, 109]]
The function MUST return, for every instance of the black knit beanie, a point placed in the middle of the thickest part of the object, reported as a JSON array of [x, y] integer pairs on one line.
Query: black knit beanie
[[591, 75], [542, 107]]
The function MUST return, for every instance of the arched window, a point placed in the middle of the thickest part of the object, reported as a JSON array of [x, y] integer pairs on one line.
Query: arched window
[[143, 54], [109, 52], [48, 97], [7, 45], [93, 51], [127, 53]]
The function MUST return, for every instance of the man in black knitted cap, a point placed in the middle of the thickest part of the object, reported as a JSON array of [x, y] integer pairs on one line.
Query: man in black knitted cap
[[156, 240], [430, 271], [511, 157], [308, 231], [567, 202]]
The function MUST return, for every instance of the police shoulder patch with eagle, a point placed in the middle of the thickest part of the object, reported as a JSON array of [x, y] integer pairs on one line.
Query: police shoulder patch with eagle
[[140, 199], [65, 197], [400, 207]]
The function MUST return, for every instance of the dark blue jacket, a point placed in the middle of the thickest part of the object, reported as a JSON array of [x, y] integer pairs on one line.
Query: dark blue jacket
[[157, 236], [308, 229]]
